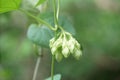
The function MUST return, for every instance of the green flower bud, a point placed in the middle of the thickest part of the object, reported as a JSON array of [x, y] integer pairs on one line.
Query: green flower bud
[[64, 45], [51, 42], [53, 50], [65, 52], [77, 44], [58, 56], [58, 42], [77, 54], [71, 45]]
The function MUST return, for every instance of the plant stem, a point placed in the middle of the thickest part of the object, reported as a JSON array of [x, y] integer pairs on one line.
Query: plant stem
[[56, 12], [58, 9], [54, 7], [39, 55], [56, 15], [52, 67], [36, 68], [38, 19]]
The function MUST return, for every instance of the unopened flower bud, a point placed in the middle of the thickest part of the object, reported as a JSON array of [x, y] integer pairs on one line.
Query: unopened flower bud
[[58, 56], [51, 42], [64, 44], [71, 45], [77, 54], [77, 44], [58, 42], [53, 50], [65, 52]]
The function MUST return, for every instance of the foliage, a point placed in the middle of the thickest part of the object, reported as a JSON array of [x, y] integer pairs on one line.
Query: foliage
[[9, 5], [41, 35], [56, 77], [40, 2], [96, 29]]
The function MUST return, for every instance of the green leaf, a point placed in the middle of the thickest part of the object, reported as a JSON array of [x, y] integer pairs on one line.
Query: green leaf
[[67, 24], [56, 77], [40, 34], [9, 5], [63, 22], [40, 2]]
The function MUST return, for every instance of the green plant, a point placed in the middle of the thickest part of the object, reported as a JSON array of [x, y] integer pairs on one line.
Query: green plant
[[58, 38]]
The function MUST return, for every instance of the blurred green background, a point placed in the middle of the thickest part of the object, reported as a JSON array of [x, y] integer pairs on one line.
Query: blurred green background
[[97, 25]]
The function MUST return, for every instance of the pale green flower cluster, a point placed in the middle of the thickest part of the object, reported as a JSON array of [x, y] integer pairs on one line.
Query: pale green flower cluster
[[64, 45]]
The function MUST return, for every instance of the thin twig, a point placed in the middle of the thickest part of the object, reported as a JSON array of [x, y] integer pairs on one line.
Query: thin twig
[[36, 68], [38, 51], [52, 67]]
